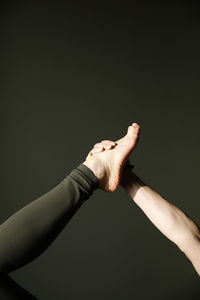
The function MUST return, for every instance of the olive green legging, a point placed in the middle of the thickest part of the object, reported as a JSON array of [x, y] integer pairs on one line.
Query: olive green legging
[[28, 233]]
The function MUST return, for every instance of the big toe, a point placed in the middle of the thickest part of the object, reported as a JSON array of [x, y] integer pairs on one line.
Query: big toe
[[133, 130]]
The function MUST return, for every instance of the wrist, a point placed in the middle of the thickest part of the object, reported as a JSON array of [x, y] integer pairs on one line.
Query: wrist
[[131, 182]]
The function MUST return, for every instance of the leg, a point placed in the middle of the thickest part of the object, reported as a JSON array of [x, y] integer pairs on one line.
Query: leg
[[31, 230], [168, 218], [114, 160], [11, 290]]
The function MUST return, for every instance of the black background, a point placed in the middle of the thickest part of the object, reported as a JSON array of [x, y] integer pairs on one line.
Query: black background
[[74, 73]]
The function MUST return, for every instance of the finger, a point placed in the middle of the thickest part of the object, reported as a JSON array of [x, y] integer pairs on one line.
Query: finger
[[97, 145], [97, 150], [88, 156], [94, 151], [108, 145], [108, 142]]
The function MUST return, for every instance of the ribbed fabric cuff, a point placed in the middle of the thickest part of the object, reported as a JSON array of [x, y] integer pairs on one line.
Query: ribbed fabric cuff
[[84, 176]]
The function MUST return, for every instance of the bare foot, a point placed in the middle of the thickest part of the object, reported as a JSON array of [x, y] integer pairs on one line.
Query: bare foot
[[108, 165]]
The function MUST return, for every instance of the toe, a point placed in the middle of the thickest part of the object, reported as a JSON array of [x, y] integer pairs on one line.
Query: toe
[[133, 130]]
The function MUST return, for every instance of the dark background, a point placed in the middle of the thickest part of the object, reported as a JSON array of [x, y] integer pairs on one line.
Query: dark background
[[76, 72]]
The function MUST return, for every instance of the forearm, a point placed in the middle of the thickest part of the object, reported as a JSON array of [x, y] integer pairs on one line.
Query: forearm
[[27, 233], [169, 219]]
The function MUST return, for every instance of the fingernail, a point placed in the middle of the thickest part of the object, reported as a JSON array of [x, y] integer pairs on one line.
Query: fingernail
[[113, 143]]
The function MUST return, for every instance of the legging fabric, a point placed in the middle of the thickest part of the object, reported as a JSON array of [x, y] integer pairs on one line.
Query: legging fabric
[[31, 230]]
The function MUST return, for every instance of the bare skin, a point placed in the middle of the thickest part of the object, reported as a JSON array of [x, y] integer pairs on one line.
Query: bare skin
[[169, 219], [108, 165]]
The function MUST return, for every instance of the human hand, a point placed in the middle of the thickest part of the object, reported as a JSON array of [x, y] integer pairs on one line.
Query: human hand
[[108, 165]]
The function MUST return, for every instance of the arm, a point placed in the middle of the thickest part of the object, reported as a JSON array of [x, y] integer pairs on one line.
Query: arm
[[31, 230], [169, 219]]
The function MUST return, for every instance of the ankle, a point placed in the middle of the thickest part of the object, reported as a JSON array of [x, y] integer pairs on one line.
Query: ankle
[[96, 167]]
